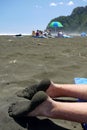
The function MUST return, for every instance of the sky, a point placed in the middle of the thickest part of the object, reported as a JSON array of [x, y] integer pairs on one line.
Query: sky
[[23, 16]]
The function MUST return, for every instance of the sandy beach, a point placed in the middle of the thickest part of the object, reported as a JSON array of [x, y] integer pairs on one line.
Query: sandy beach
[[25, 61]]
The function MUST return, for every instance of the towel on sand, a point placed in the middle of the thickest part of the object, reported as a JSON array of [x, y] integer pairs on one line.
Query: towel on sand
[[78, 80]]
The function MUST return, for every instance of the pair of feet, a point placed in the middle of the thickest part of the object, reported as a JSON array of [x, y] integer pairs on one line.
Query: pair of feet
[[39, 101]]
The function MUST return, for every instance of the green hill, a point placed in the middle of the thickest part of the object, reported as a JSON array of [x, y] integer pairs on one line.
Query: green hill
[[76, 22]]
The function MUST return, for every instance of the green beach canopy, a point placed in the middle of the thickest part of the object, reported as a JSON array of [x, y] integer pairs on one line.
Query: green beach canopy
[[55, 25]]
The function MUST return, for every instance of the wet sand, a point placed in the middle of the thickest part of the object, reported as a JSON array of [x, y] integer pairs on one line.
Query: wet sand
[[25, 61]]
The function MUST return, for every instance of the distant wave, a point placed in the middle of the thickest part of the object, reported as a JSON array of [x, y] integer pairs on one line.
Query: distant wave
[[7, 34]]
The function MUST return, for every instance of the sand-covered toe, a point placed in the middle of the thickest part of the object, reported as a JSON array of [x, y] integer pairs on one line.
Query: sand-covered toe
[[22, 108], [19, 108], [31, 90]]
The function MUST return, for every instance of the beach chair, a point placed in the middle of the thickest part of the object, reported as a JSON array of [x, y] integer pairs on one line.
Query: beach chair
[[81, 81]]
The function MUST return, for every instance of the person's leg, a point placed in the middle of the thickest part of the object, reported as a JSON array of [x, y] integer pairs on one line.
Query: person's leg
[[68, 90], [43, 105], [61, 110], [55, 90]]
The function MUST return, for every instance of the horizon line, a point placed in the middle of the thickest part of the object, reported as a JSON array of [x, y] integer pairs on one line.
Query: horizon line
[[15, 33]]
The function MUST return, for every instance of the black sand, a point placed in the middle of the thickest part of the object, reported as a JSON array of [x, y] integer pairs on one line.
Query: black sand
[[25, 61]]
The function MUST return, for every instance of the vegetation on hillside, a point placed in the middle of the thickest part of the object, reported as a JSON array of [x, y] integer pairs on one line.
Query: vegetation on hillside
[[76, 22]]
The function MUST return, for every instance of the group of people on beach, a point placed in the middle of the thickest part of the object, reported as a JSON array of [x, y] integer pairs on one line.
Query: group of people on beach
[[42, 34], [49, 34]]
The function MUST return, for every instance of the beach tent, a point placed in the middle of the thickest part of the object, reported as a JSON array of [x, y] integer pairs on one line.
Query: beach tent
[[83, 34]]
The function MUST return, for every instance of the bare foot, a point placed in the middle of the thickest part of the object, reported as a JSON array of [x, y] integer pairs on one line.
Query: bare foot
[[44, 85], [22, 108], [52, 91], [45, 109], [19, 108]]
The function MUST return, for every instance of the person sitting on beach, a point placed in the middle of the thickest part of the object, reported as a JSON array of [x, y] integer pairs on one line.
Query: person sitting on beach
[[33, 33], [60, 34], [37, 33], [41, 102]]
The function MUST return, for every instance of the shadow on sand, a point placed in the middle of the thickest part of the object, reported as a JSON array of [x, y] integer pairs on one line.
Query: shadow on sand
[[33, 123]]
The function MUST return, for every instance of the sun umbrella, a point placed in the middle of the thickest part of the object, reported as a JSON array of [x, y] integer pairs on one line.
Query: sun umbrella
[[55, 25]]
